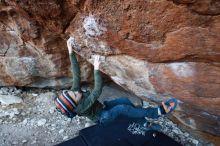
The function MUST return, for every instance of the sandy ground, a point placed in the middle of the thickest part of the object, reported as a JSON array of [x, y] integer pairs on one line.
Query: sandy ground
[[36, 122]]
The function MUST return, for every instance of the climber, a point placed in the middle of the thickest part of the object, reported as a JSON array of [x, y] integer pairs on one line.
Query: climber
[[74, 101]]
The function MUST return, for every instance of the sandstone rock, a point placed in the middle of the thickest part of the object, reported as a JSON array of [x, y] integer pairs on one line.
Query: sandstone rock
[[167, 56], [33, 49], [10, 99]]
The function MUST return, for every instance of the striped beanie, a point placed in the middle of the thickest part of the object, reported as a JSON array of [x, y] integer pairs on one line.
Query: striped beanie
[[65, 104]]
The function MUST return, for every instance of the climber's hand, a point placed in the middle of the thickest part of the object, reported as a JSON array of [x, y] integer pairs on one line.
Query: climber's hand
[[69, 43], [96, 62]]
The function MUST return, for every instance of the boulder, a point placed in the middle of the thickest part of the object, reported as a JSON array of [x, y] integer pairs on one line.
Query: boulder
[[158, 49], [33, 46]]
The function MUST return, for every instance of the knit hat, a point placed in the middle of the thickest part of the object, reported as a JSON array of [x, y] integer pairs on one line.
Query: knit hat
[[65, 104]]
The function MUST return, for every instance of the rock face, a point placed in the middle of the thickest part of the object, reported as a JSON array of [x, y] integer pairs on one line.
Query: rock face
[[33, 47], [173, 51], [155, 49]]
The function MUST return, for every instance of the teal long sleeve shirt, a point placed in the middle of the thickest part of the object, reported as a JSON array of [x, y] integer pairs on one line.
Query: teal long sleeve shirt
[[89, 105]]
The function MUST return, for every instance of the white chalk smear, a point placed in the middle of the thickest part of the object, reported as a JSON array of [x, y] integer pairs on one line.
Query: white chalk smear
[[182, 69], [92, 26]]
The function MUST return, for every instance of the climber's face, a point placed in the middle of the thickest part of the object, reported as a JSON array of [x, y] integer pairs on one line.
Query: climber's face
[[75, 95], [172, 104]]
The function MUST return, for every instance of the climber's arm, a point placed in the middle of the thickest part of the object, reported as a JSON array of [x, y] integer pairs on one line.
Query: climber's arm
[[167, 110], [94, 95], [97, 90], [74, 66]]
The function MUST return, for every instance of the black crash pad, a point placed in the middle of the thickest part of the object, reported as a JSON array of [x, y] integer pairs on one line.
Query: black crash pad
[[121, 132]]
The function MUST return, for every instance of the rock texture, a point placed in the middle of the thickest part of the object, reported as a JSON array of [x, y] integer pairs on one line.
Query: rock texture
[[155, 49], [173, 51], [33, 47]]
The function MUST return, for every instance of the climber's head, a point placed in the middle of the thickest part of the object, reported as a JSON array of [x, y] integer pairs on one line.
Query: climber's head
[[67, 101], [171, 104], [75, 95]]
